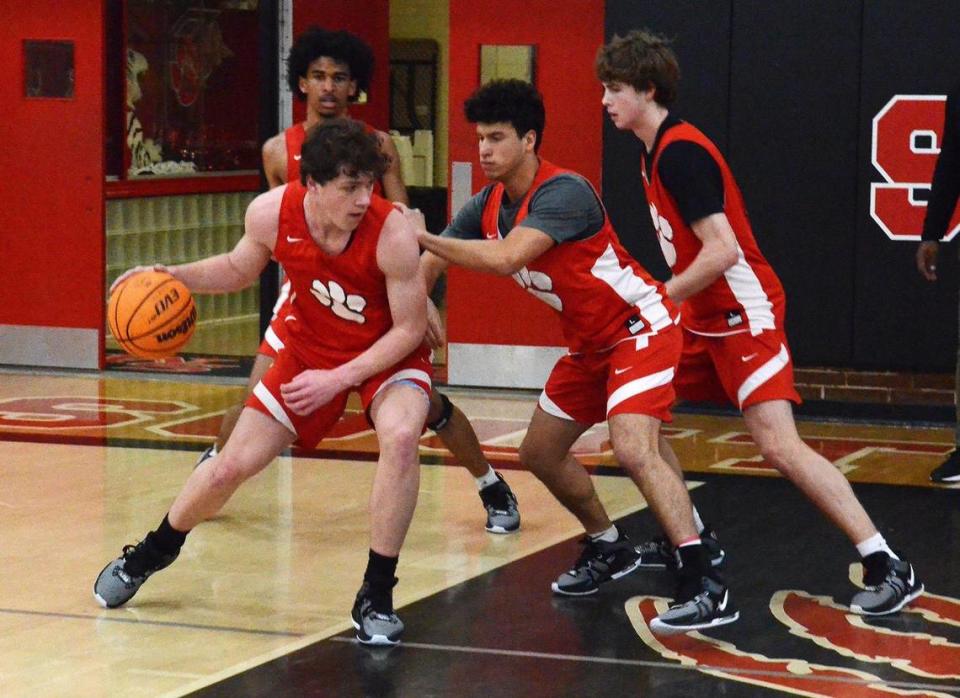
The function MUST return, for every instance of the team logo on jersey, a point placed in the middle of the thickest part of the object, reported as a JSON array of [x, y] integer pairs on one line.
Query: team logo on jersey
[[664, 235], [906, 142], [344, 305], [540, 285]]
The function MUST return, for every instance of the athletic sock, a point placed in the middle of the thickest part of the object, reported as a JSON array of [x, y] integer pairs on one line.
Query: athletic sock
[[608, 536], [381, 571], [875, 544], [487, 479], [697, 521], [168, 539]]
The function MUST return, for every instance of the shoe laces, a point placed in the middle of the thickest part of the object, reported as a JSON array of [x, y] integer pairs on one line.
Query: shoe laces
[[137, 558], [498, 497]]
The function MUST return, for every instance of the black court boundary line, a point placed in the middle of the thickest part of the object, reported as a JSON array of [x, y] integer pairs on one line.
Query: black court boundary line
[[656, 665], [158, 623]]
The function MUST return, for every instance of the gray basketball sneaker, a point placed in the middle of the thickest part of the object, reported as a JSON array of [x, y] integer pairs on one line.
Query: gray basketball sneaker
[[374, 619], [889, 586], [599, 562], [503, 515], [707, 605], [122, 578], [658, 554]]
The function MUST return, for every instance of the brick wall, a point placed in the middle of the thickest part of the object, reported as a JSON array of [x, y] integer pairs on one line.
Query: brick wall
[[876, 387]]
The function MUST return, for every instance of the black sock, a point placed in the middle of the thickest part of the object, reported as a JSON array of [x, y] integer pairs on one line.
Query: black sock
[[168, 539], [694, 560], [381, 571]]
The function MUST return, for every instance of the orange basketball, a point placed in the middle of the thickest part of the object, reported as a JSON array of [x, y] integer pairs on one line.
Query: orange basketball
[[152, 315]]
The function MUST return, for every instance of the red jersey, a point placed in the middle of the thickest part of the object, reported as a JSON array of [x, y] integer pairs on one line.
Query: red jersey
[[602, 294], [294, 138], [339, 305], [748, 296]]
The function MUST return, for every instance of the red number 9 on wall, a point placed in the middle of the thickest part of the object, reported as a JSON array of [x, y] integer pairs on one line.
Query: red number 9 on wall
[[904, 149]]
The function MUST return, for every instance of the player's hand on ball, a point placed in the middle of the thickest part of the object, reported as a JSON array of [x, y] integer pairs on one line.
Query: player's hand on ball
[[310, 390], [136, 270]]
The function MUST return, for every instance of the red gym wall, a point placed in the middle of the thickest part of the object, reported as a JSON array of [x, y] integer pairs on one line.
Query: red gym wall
[[500, 334], [51, 165], [370, 20]]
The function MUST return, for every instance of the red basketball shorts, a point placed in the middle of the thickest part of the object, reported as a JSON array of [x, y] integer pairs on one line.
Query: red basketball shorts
[[276, 335], [310, 429], [634, 377], [741, 368]]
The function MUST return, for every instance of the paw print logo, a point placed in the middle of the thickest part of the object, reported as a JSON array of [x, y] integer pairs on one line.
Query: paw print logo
[[664, 235], [349, 307], [540, 285]]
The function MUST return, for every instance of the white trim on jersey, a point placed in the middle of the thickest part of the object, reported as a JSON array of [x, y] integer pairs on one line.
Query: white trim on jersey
[[281, 297], [271, 403], [271, 338], [763, 374], [552, 408], [632, 289], [640, 385], [749, 293]]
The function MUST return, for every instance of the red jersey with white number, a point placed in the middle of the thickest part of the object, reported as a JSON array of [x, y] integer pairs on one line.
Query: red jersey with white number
[[602, 294], [339, 302], [294, 138], [746, 297]]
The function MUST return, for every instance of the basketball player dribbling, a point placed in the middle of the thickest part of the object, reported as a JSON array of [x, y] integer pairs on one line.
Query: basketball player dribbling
[[357, 322], [328, 70]]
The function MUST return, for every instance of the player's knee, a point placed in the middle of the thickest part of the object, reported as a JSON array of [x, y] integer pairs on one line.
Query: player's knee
[[780, 453], [637, 458], [227, 472], [441, 409], [399, 438]]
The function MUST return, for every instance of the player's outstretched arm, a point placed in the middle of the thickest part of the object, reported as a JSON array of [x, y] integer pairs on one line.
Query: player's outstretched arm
[[241, 266], [717, 254], [502, 257]]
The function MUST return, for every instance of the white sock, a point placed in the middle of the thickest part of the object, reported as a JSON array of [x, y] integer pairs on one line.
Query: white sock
[[873, 544], [489, 478], [608, 536], [697, 521]]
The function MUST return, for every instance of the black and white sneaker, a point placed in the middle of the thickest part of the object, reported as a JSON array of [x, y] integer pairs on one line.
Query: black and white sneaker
[[889, 585], [208, 453], [122, 578], [949, 470], [598, 563], [374, 619], [658, 554], [503, 515], [705, 605]]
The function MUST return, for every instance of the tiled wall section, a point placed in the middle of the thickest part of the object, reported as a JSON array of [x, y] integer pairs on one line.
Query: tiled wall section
[[877, 387], [177, 229]]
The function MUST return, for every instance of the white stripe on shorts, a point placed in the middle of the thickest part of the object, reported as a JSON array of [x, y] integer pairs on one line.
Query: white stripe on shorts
[[550, 407], [640, 385], [407, 374], [270, 402], [763, 374], [272, 339]]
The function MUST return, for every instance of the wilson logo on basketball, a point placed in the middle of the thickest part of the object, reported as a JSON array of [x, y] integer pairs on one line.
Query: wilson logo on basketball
[[905, 145], [184, 328]]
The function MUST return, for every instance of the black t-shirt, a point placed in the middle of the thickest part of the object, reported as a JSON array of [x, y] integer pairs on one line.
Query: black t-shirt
[[690, 175]]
